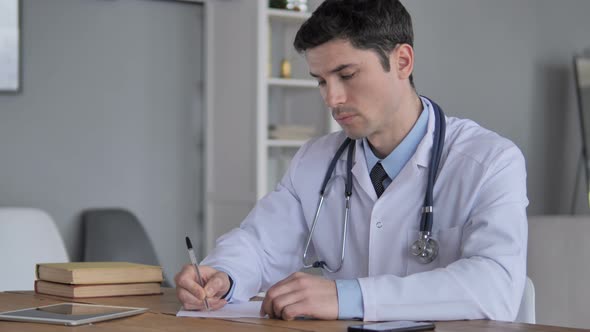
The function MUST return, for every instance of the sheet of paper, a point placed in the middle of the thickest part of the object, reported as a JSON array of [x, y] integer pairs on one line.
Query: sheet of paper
[[231, 310]]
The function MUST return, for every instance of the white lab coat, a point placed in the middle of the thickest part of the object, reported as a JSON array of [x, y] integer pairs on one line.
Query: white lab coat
[[479, 221]]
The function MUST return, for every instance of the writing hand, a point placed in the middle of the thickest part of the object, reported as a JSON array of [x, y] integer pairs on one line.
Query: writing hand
[[192, 295]]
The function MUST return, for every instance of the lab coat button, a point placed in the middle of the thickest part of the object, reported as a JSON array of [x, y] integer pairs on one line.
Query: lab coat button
[[379, 224]]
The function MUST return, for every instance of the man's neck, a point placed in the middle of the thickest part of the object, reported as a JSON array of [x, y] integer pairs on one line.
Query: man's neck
[[402, 122]]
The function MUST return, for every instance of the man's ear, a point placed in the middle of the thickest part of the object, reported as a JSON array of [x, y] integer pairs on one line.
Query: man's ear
[[402, 60]]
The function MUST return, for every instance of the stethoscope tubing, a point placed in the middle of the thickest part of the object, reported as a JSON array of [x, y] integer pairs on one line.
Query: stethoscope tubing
[[427, 219], [437, 147], [350, 143]]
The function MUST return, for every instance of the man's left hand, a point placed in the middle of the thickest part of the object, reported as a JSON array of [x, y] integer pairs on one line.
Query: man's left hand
[[302, 294]]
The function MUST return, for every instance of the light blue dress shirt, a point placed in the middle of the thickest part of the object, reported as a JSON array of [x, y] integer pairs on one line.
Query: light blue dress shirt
[[350, 297]]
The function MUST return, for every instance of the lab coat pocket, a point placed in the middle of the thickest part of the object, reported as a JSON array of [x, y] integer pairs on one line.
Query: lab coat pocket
[[449, 244]]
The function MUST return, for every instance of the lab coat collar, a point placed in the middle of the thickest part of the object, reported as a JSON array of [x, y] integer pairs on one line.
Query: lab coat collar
[[359, 168], [360, 171], [422, 155]]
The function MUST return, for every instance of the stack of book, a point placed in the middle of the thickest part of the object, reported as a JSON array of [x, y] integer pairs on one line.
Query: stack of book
[[97, 279], [291, 132]]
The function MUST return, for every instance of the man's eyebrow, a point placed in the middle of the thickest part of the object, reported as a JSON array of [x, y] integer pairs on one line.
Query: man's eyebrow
[[335, 70]]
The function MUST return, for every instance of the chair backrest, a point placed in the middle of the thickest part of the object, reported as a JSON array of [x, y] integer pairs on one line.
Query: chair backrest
[[526, 313], [27, 237], [116, 234]]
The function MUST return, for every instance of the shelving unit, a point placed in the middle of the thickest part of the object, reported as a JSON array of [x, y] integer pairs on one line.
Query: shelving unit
[[287, 16], [283, 101], [291, 82], [285, 143]]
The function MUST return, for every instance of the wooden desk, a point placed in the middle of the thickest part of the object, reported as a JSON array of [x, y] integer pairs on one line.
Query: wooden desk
[[162, 310]]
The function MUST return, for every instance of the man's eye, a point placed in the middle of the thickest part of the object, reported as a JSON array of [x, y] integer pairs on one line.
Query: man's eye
[[347, 77], [321, 83]]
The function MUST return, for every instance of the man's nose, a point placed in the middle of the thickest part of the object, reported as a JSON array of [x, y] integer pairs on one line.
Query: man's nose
[[334, 95]]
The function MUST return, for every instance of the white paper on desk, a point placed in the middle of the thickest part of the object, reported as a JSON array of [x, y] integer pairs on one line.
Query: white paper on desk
[[231, 310]]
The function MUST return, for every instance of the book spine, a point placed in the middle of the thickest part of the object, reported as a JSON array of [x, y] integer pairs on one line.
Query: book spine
[[101, 275], [74, 296], [116, 295]]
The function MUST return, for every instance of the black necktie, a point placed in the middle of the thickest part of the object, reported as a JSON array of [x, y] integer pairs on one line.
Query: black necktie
[[378, 175]]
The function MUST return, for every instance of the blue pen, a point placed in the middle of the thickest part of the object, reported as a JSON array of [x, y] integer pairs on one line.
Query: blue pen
[[191, 253]]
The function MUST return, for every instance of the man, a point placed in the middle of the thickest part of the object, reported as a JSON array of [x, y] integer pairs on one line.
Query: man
[[362, 56]]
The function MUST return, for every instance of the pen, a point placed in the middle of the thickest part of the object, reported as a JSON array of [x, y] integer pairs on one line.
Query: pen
[[191, 254]]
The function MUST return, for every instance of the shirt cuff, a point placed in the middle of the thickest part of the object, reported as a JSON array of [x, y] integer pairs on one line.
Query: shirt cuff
[[232, 284], [350, 299]]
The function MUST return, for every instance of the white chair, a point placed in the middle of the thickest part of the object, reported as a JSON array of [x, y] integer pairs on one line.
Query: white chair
[[526, 313], [27, 237]]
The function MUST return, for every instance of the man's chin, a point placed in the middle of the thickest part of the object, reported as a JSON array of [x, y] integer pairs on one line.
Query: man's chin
[[354, 134]]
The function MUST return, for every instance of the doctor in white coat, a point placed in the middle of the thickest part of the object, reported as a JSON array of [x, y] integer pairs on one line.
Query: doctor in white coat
[[362, 56]]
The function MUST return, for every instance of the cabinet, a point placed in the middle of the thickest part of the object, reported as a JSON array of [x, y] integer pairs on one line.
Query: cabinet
[[289, 110]]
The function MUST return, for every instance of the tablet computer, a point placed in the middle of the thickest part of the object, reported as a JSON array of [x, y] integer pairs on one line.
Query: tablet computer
[[71, 314], [395, 326]]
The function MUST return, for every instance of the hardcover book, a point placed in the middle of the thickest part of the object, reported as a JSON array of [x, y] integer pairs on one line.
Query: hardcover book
[[101, 290], [90, 273]]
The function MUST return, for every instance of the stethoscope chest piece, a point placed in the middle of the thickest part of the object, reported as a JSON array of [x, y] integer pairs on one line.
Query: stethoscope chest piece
[[425, 249]]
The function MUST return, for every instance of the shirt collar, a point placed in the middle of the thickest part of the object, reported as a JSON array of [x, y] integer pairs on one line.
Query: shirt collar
[[398, 158]]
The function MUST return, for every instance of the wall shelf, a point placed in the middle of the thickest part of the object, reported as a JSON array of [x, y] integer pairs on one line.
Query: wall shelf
[[291, 82], [287, 16], [285, 143]]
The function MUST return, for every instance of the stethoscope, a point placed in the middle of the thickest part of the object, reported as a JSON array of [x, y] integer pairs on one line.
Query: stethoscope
[[425, 248]]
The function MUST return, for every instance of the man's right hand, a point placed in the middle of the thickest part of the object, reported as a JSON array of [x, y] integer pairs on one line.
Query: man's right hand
[[192, 295]]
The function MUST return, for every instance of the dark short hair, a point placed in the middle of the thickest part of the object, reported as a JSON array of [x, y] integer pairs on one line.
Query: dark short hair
[[377, 25]]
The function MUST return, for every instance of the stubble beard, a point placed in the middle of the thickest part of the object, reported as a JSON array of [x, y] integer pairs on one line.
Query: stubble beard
[[349, 131]]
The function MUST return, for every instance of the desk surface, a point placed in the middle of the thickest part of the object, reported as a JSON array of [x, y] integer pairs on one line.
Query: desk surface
[[163, 308]]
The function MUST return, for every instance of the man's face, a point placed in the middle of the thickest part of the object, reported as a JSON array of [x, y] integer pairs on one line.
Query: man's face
[[359, 93]]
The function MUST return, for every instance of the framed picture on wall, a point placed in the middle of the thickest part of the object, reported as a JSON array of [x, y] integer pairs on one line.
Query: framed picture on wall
[[9, 46]]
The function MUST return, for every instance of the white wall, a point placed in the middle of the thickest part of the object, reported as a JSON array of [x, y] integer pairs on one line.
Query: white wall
[[231, 176], [507, 65], [555, 141], [109, 115]]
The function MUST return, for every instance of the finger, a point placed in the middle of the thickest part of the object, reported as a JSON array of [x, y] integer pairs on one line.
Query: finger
[[183, 274], [217, 285], [187, 280], [275, 291], [186, 298], [286, 300], [294, 310], [207, 272], [214, 304], [287, 285], [268, 302], [217, 304], [266, 306]]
